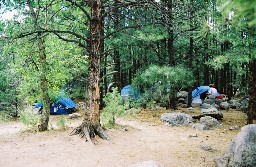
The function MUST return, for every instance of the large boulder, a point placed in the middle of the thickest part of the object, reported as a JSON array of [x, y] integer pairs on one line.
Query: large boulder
[[244, 102], [209, 121], [175, 119], [241, 151], [182, 97], [213, 112]]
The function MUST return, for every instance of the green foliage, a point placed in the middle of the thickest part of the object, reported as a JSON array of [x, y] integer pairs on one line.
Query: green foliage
[[160, 83], [9, 82], [5, 116], [62, 122], [114, 107], [244, 11], [29, 118], [64, 62]]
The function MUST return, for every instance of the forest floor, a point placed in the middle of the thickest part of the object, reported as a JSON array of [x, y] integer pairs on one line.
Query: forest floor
[[141, 137]]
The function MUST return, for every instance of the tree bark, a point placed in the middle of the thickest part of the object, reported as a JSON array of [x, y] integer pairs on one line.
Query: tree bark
[[116, 52], [190, 54], [206, 68], [170, 27], [91, 123], [43, 122], [252, 94], [252, 80]]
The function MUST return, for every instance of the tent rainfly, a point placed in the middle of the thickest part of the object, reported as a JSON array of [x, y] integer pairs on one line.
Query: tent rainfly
[[129, 91], [63, 105]]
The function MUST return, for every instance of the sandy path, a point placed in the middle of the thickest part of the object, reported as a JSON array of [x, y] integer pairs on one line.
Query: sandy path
[[169, 146]]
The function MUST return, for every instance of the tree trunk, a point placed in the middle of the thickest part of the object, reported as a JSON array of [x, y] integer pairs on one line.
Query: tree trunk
[[116, 51], [91, 123], [170, 33], [252, 80], [229, 83], [190, 56], [206, 68], [252, 93], [43, 122], [104, 71]]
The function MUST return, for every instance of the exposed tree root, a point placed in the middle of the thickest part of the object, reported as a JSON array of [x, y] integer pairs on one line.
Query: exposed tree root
[[88, 132]]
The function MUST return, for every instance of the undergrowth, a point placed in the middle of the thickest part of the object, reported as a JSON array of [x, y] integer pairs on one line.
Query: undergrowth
[[62, 122], [29, 118], [114, 107]]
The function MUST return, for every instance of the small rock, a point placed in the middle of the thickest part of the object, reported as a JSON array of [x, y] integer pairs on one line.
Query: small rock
[[150, 163], [200, 126], [74, 115], [206, 148], [193, 135], [190, 109]]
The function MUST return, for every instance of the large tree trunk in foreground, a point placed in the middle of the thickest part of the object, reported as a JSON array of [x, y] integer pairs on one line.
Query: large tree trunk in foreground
[[252, 95], [252, 79], [43, 122], [91, 124]]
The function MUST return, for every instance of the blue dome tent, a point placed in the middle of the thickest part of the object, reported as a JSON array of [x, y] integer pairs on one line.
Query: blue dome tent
[[63, 105], [129, 91]]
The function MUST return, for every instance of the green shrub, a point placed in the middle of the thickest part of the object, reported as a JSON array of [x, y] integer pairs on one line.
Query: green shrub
[[29, 118], [62, 122], [5, 116], [114, 107], [160, 83]]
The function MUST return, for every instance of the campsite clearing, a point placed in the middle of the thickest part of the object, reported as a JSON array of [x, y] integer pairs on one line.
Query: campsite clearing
[[140, 137]]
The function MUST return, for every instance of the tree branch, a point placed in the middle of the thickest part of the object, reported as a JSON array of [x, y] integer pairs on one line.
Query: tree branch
[[81, 8], [70, 40], [113, 72]]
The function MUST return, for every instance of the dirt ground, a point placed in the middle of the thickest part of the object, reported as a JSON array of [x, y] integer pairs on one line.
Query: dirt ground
[[141, 137]]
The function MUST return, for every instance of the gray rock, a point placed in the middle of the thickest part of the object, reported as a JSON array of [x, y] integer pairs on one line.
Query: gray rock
[[175, 119], [209, 121], [182, 94], [206, 106], [218, 101], [190, 109], [209, 101], [200, 126], [224, 105], [210, 110], [234, 104], [244, 102], [182, 105], [213, 112], [206, 148], [149, 163], [241, 151], [216, 106], [194, 105], [181, 100]]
